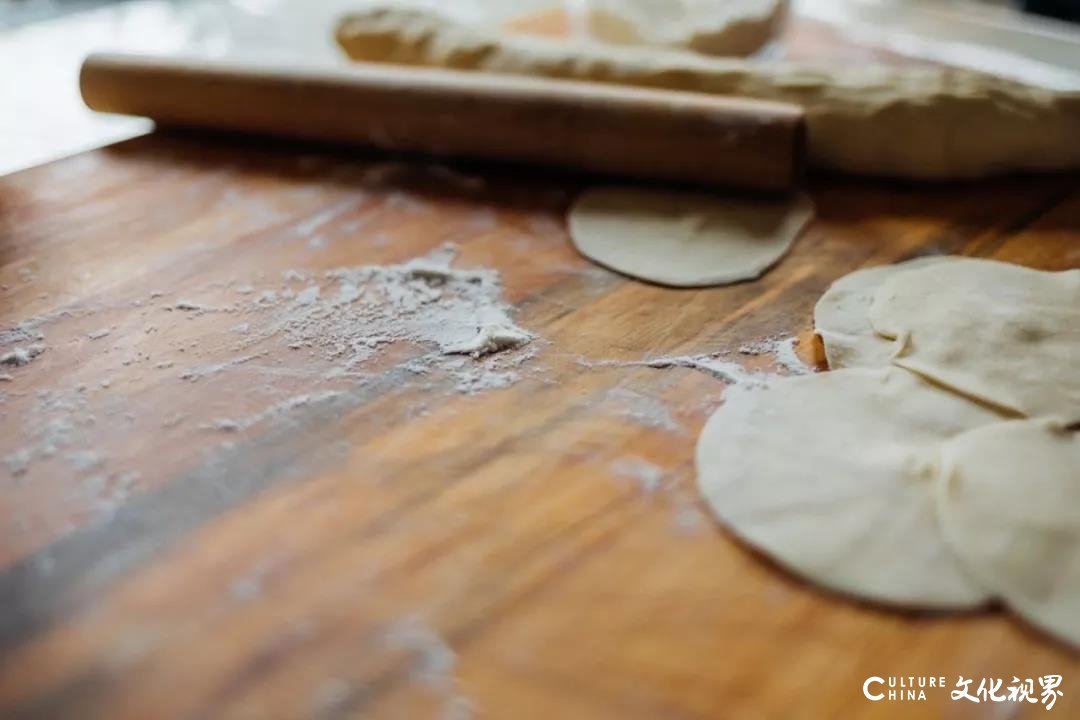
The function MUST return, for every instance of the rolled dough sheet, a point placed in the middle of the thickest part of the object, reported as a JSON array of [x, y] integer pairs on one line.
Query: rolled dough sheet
[[685, 239], [913, 123], [734, 28], [832, 476], [840, 316], [1009, 502], [1002, 333]]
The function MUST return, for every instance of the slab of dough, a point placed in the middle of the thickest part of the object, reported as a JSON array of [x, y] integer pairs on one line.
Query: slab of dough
[[914, 123], [685, 239], [1009, 502], [841, 322], [1002, 333], [735, 28], [831, 475]]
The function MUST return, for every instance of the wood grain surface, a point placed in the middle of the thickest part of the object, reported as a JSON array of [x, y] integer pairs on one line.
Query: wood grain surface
[[394, 548]]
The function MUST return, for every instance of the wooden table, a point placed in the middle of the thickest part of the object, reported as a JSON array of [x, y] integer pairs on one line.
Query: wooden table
[[394, 548]]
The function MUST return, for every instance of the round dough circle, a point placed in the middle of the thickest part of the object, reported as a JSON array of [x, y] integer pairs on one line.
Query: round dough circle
[[1009, 503], [840, 316], [685, 239], [1002, 333], [832, 476]]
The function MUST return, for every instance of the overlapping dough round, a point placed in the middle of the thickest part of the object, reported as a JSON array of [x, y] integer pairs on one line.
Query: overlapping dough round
[[840, 316], [1009, 503], [1002, 333], [831, 475], [685, 239]]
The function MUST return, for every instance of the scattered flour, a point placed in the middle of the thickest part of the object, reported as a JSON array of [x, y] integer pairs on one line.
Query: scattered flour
[[20, 356], [85, 460], [226, 425], [783, 350], [689, 518], [111, 491], [656, 482], [787, 358], [433, 659], [353, 313], [201, 371], [310, 225], [197, 309], [26, 332], [344, 317], [249, 586], [432, 664], [307, 296], [723, 370], [649, 477], [642, 409], [478, 379], [491, 339], [278, 411], [59, 422]]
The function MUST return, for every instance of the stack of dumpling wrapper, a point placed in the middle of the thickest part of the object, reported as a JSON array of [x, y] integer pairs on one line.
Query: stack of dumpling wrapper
[[937, 464]]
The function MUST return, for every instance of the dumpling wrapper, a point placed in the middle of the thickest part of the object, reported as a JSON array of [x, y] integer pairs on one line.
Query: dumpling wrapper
[[832, 476], [1004, 334], [685, 239], [1009, 503], [841, 322]]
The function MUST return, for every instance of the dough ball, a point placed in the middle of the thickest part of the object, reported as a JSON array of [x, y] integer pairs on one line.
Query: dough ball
[[1009, 502], [840, 316], [1002, 333], [832, 476], [685, 239], [732, 28]]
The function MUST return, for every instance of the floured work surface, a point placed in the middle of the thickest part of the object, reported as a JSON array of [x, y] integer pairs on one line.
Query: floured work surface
[[225, 469], [222, 499]]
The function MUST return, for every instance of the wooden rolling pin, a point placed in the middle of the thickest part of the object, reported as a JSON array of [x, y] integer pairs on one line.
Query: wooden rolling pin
[[650, 134]]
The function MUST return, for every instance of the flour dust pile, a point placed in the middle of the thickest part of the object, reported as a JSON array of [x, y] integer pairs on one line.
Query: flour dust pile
[[348, 315], [307, 338]]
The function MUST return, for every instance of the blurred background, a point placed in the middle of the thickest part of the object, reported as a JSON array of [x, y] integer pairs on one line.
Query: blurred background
[[42, 43]]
